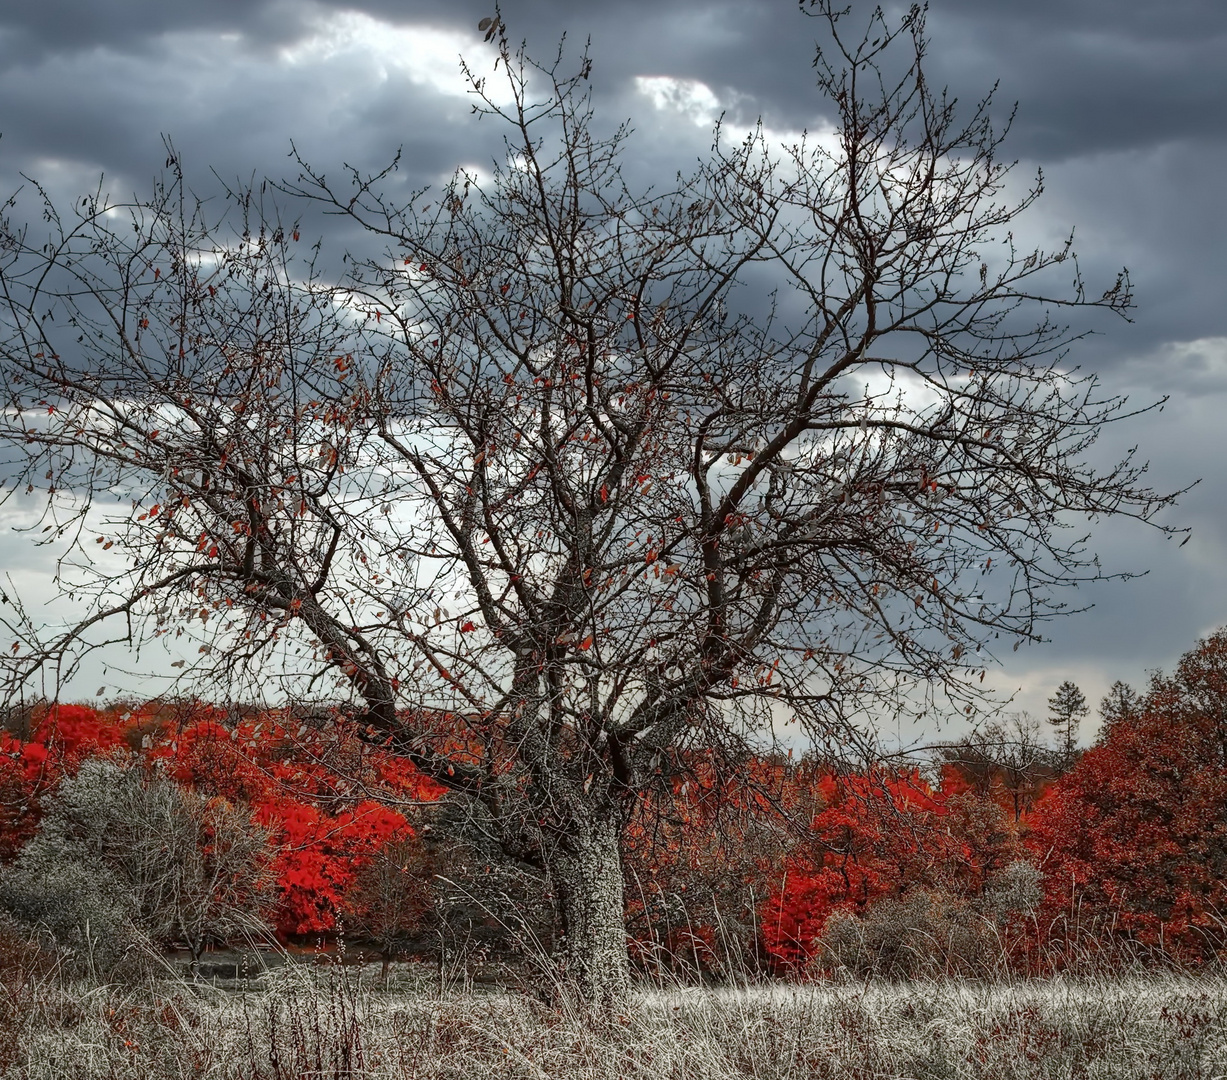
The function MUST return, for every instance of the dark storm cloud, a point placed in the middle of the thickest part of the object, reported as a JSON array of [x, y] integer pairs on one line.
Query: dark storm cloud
[[1123, 103], [230, 105], [128, 26], [1093, 75], [100, 82]]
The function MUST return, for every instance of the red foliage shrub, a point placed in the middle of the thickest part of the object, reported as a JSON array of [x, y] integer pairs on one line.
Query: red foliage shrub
[[319, 855], [76, 731], [882, 834], [307, 783]]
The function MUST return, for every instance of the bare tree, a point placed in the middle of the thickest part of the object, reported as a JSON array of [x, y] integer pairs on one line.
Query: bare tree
[[390, 901], [575, 482], [1008, 756]]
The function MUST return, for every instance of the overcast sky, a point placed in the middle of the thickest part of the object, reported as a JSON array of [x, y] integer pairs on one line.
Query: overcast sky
[[1123, 103]]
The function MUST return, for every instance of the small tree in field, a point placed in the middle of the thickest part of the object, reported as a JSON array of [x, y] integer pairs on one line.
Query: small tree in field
[[390, 900], [576, 484]]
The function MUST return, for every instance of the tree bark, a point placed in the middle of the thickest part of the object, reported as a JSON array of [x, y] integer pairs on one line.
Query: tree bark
[[586, 870]]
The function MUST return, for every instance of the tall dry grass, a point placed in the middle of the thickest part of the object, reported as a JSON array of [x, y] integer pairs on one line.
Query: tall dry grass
[[299, 1023]]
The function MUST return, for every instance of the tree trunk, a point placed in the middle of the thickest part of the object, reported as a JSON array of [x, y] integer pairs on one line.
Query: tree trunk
[[586, 870], [195, 946]]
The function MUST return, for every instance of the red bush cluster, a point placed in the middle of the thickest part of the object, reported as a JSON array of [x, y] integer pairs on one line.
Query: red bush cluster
[[882, 834]]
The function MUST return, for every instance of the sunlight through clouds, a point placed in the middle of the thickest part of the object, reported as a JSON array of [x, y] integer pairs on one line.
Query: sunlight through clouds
[[694, 103], [370, 48], [693, 99]]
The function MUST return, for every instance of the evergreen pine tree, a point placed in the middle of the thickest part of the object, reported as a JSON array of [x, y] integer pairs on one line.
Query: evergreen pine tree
[[1121, 702], [1066, 708]]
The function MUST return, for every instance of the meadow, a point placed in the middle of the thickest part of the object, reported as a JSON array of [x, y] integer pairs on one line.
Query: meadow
[[300, 1022]]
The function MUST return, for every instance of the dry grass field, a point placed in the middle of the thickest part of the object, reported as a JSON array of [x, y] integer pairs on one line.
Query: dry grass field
[[302, 1023]]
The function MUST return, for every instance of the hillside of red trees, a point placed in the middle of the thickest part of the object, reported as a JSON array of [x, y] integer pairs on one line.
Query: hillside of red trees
[[781, 865]]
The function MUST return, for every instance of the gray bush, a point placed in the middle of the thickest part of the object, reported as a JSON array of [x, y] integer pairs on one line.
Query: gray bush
[[923, 934], [79, 907], [124, 858], [1015, 891], [931, 933]]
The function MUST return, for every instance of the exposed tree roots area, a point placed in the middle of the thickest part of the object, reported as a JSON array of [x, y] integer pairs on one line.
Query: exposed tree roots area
[[306, 1024]]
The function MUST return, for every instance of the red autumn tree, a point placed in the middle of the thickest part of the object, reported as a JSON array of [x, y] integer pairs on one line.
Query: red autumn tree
[[1134, 839], [26, 773], [319, 856]]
